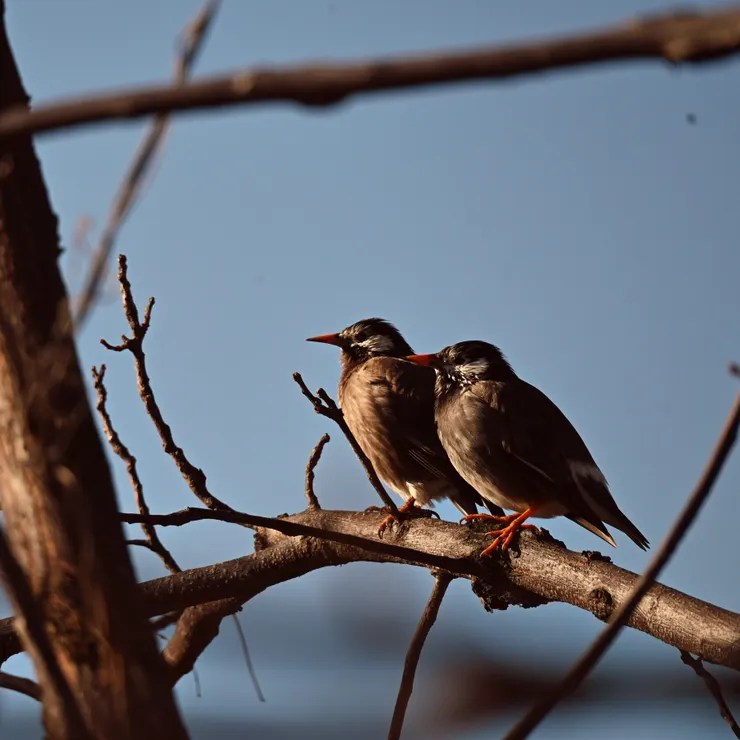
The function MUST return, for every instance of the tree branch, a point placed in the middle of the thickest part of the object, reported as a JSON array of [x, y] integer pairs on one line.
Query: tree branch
[[428, 618], [313, 461], [194, 477], [678, 37], [21, 685], [324, 405], [714, 689], [621, 616], [58, 501], [544, 571], [152, 143], [152, 538]]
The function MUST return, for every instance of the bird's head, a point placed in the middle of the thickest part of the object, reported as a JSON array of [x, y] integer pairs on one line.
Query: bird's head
[[465, 363], [367, 338]]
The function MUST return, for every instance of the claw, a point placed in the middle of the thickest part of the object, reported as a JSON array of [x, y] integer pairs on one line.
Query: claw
[[408, 511]]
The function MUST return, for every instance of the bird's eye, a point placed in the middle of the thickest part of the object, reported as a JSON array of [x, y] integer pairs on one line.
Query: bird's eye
[[360, 336]]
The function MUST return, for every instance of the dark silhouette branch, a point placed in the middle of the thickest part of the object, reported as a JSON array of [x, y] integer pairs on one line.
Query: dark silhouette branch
[[130, 188], [643, 585], [714, 689], [428, 618], [313, 461], [678, 37]]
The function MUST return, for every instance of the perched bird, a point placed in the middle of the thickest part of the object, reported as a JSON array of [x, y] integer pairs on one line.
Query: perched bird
[[515, 446], [388, 404]]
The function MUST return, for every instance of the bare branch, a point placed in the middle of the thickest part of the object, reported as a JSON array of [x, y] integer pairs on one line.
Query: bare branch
[[714, 689], [622, 615], [313, 461], [150, 146], [428, 618], [194, 477], [324, 405], [152, 538], [544, 571], [678, 37], [58, 501], [196, 629], [21, 685]]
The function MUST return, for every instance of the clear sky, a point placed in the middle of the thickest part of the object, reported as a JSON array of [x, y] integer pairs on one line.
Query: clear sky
[[577, 220]]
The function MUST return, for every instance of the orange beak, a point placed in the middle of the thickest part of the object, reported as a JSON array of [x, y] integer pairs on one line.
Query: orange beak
[[425, 360], [326, 339]]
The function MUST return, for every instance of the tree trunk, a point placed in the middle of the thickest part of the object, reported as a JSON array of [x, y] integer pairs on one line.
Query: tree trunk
[[59, 505]]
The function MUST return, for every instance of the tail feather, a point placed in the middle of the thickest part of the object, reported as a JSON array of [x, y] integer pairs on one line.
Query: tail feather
[[598, 529]]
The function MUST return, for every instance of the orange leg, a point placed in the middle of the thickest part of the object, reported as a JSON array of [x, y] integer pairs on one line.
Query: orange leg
[[408, 510], [503, 537]]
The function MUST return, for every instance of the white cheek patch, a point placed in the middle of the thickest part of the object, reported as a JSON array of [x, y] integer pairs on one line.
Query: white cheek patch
[[473, 369], [378, 344]]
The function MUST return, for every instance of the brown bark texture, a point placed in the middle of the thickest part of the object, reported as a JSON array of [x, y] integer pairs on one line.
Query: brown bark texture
[[59, 506]]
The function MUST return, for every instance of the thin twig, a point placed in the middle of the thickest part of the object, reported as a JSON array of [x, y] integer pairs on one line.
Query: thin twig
[[313, 461], [194, 477], [21, 685], [123, 452], [620, 616], [248, 660], [678, 37], [428, 618], [324, 405], [714, 689], [151, 145]]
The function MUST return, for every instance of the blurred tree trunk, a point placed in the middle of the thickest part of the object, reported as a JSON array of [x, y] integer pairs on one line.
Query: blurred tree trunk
[[58, 500]]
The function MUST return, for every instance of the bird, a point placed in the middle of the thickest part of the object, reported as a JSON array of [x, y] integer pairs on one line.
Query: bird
[[388, 404], [516, 447]]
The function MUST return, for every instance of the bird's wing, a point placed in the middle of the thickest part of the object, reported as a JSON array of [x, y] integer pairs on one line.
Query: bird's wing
[[537, 433], [403, 396], [407, 396]]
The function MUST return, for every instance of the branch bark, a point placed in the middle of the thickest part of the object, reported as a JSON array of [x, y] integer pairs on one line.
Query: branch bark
[[57, 495], [678, 37], [543, 571]]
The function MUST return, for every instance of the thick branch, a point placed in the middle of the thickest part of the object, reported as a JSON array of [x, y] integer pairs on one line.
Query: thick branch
[[677, 38], [57, 494], [543, 571]]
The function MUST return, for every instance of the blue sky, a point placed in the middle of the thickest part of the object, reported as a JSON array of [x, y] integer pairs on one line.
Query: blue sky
[[575, 219]]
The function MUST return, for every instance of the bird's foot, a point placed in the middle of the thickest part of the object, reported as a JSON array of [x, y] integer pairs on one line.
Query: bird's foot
[[489, 518], [503, 537], [408, 511]]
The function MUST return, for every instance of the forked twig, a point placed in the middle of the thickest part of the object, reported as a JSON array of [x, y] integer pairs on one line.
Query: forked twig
[[428, 618], [620, 616], [324, 405], [194, 477], [152, 538]]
